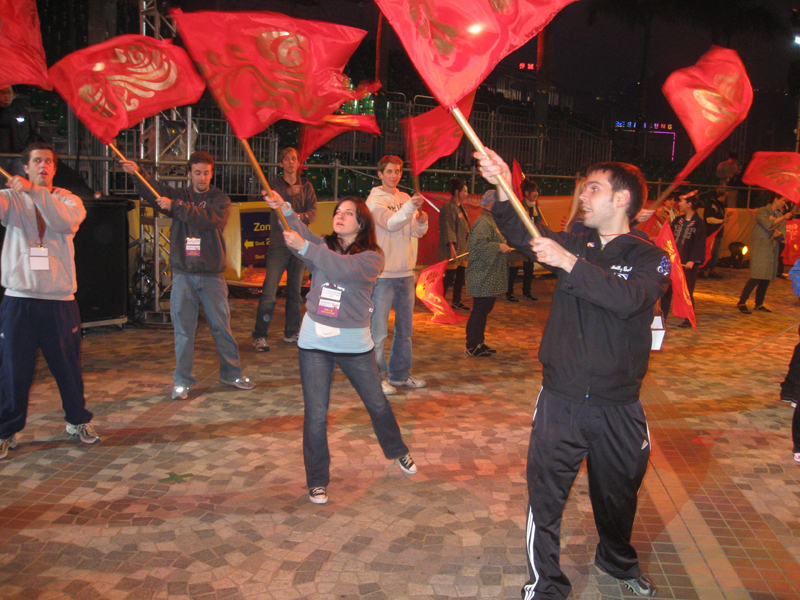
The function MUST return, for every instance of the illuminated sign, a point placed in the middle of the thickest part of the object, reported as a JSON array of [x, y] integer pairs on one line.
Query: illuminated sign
[[527, 66], [648, 126]]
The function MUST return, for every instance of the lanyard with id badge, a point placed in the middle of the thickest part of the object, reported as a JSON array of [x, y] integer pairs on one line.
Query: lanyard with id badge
[[330, 300], [39, 255]]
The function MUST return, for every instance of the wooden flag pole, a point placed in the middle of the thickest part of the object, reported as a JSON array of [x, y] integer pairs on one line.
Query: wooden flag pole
[[263, 179], [501, 181], [5, 173], [141, 177]]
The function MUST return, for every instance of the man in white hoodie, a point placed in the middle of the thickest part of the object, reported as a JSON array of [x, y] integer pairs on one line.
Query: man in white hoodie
[[398, 225], [39, 308]]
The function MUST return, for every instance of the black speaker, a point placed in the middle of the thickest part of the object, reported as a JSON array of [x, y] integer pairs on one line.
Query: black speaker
[[101, 262]]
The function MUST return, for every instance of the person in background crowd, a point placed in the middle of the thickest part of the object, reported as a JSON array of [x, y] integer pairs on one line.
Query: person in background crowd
[[486, 274], [690, 241], [769, 226], [398, 226], [298, 192], [530, 195], [454, 229], [714, 219]]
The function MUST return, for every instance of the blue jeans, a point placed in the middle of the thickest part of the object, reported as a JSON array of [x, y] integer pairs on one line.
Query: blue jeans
[[316, 375], [188, 293], [398, 294], [280, 259], [27, 324]]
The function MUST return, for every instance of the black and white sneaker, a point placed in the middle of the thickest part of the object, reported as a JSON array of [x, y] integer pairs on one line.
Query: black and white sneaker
[[406, 464], [477, 351], [318, 495], [641, 586]]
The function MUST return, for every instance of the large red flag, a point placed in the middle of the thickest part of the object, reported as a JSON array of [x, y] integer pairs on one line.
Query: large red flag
[[775, 171], [114, 85], [263, 66], [455, 44], [434, 134], [314, 136], [430, 289], [681, 301], [711, 99], [21, 45]]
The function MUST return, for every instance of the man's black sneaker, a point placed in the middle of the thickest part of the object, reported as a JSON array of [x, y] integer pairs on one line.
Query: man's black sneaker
[[529, 297], [479, 351], [641, 586], [511, 298], [486, 348]]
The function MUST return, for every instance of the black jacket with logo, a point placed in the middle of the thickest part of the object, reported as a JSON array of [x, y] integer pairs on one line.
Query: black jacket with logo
[[596, 344]]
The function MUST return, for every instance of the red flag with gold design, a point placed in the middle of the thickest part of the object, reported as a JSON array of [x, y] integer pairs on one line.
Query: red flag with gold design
[[116, 84], [263, 66], [681, 301], [434, 134], [314, 136], [455, 44], [711, 99], [21, 45], [775, 171], [430, 289]]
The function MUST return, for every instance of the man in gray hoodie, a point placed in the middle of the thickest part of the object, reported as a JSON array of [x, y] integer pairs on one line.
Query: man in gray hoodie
[[39, 308]]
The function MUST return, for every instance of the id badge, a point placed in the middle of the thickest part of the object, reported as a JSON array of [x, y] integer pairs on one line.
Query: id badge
[[192, 246], [330, 299], [39, 259]]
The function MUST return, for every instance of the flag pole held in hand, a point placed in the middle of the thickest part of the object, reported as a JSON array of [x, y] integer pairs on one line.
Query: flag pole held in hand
[[141, 177], [263, 179], [501, 181]]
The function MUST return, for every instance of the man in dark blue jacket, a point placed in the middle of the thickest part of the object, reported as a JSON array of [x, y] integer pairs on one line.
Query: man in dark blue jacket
[[197, 256], [594, 354]]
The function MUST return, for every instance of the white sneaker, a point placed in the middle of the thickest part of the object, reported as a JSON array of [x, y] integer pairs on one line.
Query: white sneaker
[[387, 389], [411, 382], [292, 339], [85, 432], [180, 392], [243, 383]]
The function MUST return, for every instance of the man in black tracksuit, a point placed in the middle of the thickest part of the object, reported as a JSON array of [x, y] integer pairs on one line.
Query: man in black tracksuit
[[594, 354]]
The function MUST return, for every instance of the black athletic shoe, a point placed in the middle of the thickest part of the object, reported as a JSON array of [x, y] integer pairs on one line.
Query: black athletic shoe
[[762, 308], [529, 297], [641, 585], [511, 298], [486, 348], [743, 309], [479, 351]]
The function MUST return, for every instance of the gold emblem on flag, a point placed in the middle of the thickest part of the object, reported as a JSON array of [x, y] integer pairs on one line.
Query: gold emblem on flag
[[134, 71], [720, 106]]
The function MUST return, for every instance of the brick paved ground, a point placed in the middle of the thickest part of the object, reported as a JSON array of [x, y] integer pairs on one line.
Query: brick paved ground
[[205, 498]]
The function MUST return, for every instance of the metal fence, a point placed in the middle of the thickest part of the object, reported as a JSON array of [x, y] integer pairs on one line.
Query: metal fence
[[345, 164]]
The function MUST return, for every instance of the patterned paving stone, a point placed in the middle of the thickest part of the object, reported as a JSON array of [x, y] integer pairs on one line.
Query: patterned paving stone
[[205, 498]]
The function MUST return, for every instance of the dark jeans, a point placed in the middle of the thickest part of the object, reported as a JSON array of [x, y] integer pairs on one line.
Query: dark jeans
[[280, 259], [476, 325], [691, 280], [454, 277], [316, 375], [27, 324], [527, 278], [761, 290]]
